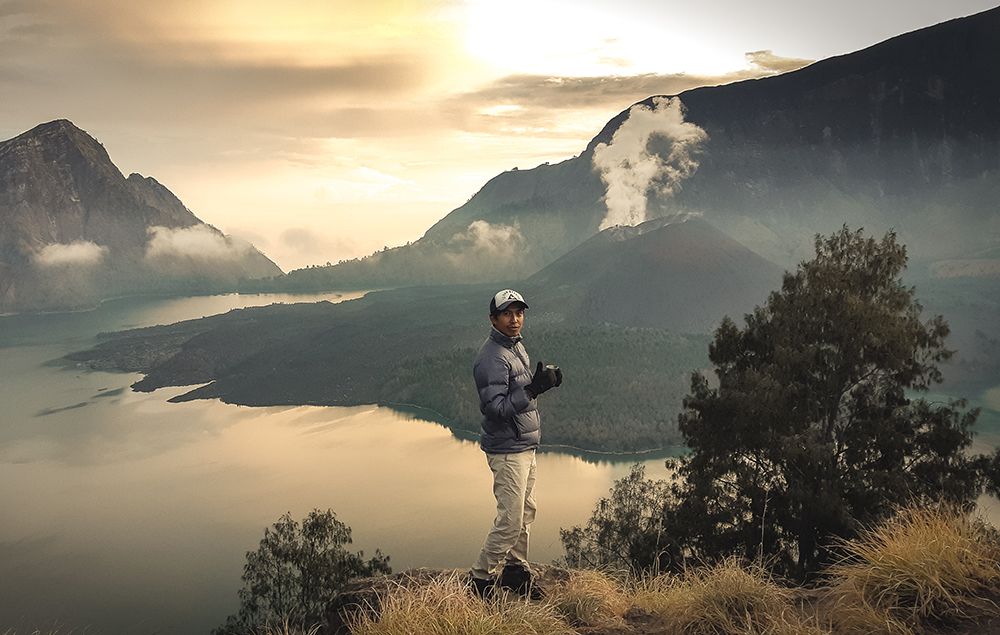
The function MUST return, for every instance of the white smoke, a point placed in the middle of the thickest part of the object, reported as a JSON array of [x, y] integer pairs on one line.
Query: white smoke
[[199, 242], [487, 238], [78, 252], [630, 171]]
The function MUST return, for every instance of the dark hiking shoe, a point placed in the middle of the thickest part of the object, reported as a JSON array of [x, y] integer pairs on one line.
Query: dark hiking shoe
[[483, 589], [517, 579]]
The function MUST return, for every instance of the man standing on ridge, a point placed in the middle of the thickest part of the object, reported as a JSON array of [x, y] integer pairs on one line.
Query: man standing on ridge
[[510, 435]]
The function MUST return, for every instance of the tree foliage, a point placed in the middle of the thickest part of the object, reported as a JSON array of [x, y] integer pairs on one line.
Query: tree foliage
[[296, 570], [810, 428], [626, 530]]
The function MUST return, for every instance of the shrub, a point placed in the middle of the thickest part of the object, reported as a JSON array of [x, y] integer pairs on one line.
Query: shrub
[[589, 598], [920, 567], [296, 570], [725, 599]]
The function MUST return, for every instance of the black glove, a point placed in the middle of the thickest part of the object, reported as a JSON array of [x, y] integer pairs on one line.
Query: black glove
[[545, 377]]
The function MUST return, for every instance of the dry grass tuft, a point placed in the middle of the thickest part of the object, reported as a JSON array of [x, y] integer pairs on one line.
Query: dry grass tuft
[[590, 598], [727, 599], [922, 567], [445, 607], [287, 629]]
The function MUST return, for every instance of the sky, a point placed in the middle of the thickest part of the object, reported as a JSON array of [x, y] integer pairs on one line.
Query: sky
[[326, 130]]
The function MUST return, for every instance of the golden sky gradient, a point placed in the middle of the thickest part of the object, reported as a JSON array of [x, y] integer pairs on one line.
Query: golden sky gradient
[[323, 130]]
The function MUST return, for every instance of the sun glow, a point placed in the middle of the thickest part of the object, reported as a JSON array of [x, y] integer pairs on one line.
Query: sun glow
[[570, 39], [307, 32]]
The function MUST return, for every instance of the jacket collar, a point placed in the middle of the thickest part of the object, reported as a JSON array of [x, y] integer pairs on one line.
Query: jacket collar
[[502, 339]]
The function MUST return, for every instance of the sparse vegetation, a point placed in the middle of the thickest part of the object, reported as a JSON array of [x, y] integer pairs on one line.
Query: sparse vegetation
[[288, 629], [728, 598], [590, 598], [922, 567], [922, 570], [445, 607]]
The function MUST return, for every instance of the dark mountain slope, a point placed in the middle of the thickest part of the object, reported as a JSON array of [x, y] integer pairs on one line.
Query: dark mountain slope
[[904, 134]]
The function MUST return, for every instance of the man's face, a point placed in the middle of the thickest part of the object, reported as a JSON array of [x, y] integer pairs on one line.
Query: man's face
[[510, 320]]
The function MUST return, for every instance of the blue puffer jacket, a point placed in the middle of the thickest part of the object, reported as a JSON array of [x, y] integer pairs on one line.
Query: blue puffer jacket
[[510, 418]]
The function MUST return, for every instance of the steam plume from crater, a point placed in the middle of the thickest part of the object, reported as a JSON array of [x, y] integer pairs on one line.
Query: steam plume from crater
[[631, 171]]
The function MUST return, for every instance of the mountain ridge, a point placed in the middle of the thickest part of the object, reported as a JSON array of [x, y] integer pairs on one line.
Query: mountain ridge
[[74, 230], [901, 135]]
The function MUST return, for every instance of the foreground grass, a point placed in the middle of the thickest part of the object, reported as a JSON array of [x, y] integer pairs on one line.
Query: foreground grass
[[726, 598], [922, 570], [590, 598], [445, 607]]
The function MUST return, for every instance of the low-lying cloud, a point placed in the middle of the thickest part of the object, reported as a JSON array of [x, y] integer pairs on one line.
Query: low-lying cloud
[[198, 242], [486, 238], [631, 171], [77, 253]]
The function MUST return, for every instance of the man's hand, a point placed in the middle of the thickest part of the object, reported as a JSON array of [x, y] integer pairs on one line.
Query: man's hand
[[545, 377]]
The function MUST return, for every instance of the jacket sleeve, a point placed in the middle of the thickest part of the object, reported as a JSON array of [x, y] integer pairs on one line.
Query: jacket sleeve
[[497, 399]]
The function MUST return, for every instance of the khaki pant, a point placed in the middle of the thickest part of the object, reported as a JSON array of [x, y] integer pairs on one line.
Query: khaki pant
[[513, 486]]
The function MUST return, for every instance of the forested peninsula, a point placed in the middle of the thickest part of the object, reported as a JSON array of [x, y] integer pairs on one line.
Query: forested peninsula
[[414, 347]]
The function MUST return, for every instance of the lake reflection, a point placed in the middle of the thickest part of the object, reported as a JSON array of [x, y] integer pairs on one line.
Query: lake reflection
[[129, 514]]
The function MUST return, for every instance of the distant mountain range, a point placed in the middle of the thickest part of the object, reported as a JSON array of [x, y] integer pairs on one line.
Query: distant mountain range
[[74, 230], [903, 135]]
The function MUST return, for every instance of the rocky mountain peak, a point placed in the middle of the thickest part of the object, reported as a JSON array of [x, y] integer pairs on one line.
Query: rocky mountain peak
[[74, 230], [59, 141]]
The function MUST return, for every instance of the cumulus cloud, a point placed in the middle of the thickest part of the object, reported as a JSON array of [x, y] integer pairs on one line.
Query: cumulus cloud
[[630, 170], [79, 253], [486, 238], [198, 242]]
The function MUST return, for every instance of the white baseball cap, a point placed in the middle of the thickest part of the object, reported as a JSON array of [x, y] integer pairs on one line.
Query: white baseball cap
[[505, 298]]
